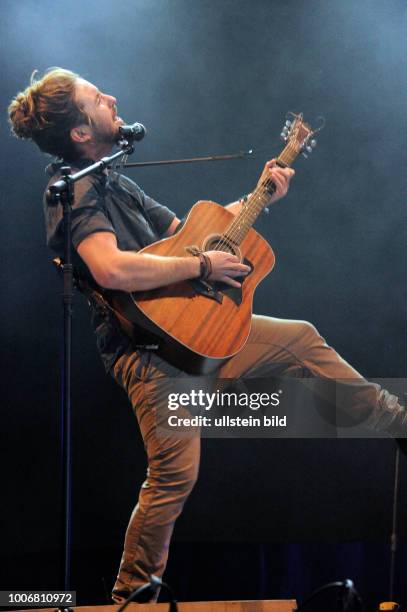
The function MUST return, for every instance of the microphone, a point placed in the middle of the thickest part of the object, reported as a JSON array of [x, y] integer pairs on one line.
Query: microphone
[[137, 131]]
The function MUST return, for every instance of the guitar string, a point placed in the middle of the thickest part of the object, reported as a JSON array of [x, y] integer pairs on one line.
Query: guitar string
[[260, 191], [235, 228]]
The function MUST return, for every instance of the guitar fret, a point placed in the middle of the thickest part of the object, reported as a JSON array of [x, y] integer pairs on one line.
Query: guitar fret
[[244, 221], [260, 198]]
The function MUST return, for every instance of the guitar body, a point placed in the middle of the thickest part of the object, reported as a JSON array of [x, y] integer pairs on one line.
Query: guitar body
[[199, 324]]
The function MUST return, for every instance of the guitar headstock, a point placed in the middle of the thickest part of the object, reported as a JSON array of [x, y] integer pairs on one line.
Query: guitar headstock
[[298, 137]]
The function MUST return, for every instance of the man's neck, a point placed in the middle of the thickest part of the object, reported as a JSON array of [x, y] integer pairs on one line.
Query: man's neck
[[95, 152]]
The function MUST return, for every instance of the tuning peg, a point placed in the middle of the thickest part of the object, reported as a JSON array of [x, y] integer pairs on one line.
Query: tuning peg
[[305, 149], [288, 123], [284, 134], [313, 143]]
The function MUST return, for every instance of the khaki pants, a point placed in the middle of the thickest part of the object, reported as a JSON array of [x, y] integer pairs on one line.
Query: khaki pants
[[275, 347]]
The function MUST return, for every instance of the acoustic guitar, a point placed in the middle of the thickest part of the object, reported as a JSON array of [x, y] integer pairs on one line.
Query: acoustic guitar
[[196, 324]]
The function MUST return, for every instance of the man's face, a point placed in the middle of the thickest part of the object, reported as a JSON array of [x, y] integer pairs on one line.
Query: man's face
[[102, 111]]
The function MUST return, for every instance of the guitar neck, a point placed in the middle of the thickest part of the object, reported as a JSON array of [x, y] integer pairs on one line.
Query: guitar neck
[[257, 201], [296, 133]]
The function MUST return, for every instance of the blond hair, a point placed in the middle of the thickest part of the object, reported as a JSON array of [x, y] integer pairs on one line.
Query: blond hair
[[46, 111]]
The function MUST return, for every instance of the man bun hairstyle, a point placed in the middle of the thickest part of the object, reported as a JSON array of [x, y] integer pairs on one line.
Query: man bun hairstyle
[[46, 111]]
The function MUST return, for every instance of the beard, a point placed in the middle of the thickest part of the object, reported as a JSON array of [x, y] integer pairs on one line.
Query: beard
[[105, 135]]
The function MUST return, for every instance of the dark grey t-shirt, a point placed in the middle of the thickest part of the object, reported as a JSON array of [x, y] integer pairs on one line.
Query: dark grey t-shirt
[[113, 204]]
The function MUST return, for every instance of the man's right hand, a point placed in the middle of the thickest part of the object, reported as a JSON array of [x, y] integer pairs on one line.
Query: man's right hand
[[226, 268]]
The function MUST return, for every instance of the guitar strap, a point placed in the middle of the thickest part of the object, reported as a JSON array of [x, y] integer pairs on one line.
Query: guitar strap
[[91, 291], [98, 301]]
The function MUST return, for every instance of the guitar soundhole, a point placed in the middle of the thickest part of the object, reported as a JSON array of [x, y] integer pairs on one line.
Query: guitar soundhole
[[217, 242]]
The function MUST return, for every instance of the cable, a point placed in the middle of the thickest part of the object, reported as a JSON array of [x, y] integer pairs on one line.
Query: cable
[[350, 599]]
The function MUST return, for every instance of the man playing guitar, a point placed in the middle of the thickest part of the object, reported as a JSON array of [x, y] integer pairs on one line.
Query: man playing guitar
[[70, 118]]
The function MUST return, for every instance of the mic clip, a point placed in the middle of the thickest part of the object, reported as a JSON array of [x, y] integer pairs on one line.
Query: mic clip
[[126, 146]]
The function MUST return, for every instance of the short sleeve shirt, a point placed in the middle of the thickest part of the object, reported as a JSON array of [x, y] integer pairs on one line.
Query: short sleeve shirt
[[106, 203]]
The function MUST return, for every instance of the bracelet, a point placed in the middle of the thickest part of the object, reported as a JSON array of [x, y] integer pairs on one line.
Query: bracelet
[[202, 265], [205, 265], [208, 266]]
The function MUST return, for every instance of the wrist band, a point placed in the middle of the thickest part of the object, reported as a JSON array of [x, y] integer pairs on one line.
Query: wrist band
[[202, 265], [205, 265], [208, 266]]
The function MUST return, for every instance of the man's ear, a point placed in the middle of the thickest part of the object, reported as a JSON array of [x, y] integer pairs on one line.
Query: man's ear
[[81, 133]]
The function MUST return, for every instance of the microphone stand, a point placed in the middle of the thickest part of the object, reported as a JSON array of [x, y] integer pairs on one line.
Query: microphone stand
[[393, 536], [62, 192], [189, 160]]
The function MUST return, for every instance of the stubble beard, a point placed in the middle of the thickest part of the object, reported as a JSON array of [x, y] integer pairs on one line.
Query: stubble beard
[[102, 136]]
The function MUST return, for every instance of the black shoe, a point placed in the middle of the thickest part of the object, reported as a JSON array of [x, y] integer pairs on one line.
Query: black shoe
[[398, 425]]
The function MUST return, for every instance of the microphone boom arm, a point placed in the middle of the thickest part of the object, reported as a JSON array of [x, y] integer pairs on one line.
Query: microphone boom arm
[[190, 160]]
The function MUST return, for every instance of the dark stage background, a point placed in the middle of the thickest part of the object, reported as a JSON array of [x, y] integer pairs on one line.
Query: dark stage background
[[267, 518]]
